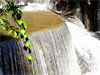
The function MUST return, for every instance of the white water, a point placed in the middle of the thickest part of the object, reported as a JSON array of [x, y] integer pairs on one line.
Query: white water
[[53, 52], [37, 5], [87, 46]]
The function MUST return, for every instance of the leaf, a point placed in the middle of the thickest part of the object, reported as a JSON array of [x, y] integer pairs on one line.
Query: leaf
[[2, 17], [20, 22], [15, 10], [15, 34], [32, 72], [30, 58], [1, 21], [3, 27], [10, 31], [25, 35], [28, 44], [23, 31], [24, 25]]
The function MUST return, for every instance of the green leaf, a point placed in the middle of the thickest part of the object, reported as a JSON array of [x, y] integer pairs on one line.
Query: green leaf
[[1, 21], [3, 27], [20, 22], [15, 34], [28, 44], [23, 31], [30, 58], [2, 17], [10, 31], [32, 72], [24, 25], [25, 35]]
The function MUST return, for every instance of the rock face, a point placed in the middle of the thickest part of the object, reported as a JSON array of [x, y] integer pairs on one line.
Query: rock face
[[98, 15], [89, 14], [51, 49]]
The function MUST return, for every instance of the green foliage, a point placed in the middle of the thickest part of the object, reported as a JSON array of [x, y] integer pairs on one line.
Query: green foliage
[[28, 44], [3, 27], [32, 72], [30, 58], [18, 30], [1, 21], [15, 34], [22, 24], [22, 31], [10, 31]]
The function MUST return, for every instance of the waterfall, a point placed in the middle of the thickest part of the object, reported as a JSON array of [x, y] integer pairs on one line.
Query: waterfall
[[66, 50], [35, 5], [33, 1], [52, 51], [12, 59], [87, 47], [55, 52]]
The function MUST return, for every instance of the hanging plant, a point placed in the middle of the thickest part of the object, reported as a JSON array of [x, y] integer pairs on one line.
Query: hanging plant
[[18, 30]]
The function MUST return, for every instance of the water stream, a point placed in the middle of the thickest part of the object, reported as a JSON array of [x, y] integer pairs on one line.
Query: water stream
[[66, 50], [35, 5], [87, 47]]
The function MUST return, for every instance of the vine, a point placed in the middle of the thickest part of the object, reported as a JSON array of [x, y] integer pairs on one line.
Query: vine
[[18, 30]]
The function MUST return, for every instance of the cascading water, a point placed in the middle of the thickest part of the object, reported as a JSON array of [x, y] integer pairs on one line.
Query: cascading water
[[33, 5], [52, 51], [87, 47], [36, 5], [55, 51], [12, 59]]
